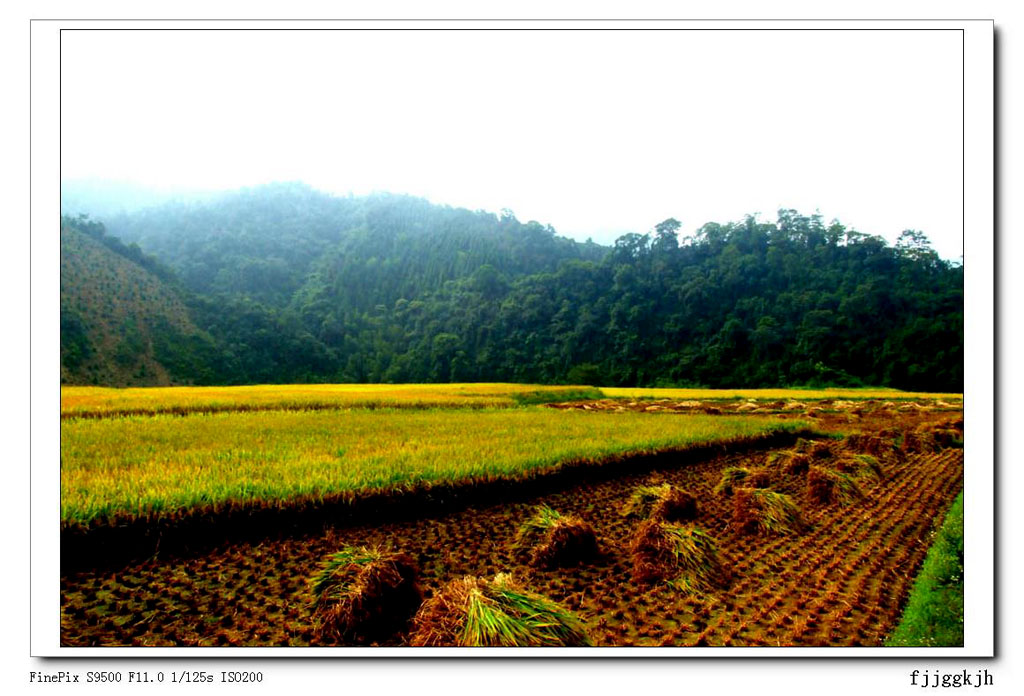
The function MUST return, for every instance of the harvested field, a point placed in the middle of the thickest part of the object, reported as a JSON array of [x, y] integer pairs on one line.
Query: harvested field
[[837, 396], [842, 581], [813, 404]]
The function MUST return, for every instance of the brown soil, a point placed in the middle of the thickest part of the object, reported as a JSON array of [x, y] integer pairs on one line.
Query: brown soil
[[842, 582]]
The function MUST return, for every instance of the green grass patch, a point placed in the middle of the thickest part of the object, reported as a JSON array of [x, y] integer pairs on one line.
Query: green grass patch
[[934, 615], [555, 395]]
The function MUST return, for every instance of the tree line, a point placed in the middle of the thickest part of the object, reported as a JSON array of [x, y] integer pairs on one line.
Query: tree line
[[289, 284]]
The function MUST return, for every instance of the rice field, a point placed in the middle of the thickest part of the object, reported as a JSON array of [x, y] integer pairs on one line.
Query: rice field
[[109, 401], [151, 467], [729, 575], [77, 402], [220, 509]]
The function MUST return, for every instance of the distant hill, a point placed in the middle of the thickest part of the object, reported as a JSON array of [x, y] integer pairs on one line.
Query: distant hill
[[283, 283], [121, 322], [272, 242]]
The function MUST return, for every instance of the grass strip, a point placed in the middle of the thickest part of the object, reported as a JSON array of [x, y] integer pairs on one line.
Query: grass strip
[[934, 615]]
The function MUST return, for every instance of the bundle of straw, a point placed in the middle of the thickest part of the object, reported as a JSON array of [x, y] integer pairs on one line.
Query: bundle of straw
[[472, 612]]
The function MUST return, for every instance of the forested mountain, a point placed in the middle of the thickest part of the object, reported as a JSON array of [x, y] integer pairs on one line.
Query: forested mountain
[[278, 241], [290, 284], [120, 321]]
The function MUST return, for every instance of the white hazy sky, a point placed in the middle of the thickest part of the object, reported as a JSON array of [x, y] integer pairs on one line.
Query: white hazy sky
[[597, 133]]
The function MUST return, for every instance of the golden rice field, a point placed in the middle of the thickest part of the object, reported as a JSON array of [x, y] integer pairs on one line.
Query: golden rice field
[[132, 467], [93, 401]]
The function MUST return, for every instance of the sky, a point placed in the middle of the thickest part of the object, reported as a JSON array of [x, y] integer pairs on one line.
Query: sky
[[596, 133]]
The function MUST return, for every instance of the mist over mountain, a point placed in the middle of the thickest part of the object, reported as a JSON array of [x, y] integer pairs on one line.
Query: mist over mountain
[[103, 198], [283, 283]]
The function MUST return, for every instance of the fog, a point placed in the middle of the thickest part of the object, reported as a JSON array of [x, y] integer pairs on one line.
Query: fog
[[597, 133]]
